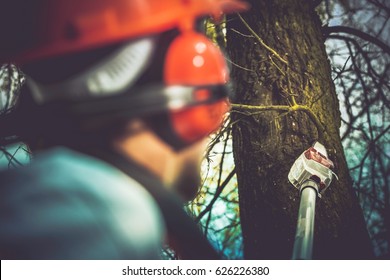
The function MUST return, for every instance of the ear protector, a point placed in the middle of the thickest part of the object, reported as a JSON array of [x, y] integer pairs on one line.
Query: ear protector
[[192, 59], [193, 94]]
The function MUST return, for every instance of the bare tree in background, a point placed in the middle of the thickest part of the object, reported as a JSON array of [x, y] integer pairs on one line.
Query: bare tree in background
[[356, 33], [285, 103], [358, 37]]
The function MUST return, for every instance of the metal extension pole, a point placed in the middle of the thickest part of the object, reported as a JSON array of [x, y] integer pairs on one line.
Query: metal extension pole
[[305, 227]]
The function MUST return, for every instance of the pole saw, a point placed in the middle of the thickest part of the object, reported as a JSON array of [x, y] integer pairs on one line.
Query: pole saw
[[311, 174]]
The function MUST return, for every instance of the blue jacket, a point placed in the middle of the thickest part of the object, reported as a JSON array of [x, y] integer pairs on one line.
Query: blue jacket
[[67, 205]]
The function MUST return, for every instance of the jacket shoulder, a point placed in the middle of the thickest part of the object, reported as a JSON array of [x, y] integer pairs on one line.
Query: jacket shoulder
[[66, 205]]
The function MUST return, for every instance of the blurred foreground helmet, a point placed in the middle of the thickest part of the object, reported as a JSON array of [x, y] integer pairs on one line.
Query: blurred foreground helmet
[[194, 70], [54, 27]]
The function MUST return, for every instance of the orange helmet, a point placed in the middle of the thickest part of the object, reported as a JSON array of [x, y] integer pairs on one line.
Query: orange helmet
[[192, 61], [65, 26]]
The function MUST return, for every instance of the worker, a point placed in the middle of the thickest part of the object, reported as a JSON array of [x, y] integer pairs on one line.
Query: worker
[[119, 99]]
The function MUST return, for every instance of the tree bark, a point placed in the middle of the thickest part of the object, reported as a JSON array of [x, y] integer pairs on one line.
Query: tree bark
[[281, 70]]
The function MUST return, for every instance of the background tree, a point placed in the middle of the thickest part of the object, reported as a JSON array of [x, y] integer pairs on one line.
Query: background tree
[[357, 40], [290, 102]]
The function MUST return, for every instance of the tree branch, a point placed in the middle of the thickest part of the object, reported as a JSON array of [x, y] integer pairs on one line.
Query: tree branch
[[261, 40], [312, 116], [216, 195], [352, 31]]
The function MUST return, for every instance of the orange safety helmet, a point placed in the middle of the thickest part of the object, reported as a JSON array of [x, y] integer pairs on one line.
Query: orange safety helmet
[[64, 27]]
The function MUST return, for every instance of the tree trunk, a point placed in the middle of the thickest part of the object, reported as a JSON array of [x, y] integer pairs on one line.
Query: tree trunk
[[280, 68]]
